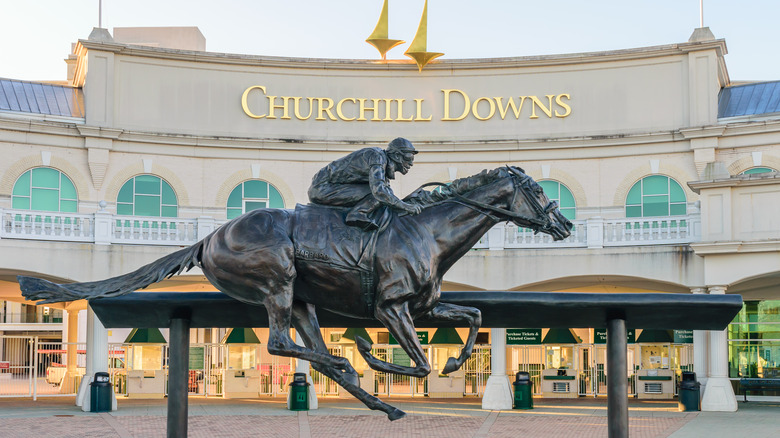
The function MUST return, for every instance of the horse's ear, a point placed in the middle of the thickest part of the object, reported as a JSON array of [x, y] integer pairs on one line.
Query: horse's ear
[[515, 170]]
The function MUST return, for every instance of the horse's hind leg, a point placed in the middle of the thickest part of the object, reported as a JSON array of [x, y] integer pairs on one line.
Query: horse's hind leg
[[305, 322], [279, 306]]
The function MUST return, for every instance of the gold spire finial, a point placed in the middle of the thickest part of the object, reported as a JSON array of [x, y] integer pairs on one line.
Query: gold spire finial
[[378, 37], [418, 50]]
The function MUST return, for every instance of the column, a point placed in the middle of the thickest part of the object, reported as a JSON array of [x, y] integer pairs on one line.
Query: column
[[97, 358], [719, 394], [303, 366], [69, 381], [700, 348], [498, 390]]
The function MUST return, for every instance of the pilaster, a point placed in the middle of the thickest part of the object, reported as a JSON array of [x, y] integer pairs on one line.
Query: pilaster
[[719, 394]]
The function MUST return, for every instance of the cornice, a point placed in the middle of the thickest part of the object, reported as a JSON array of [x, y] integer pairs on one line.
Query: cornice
[[734, 247], [757, 179], [447, 64]]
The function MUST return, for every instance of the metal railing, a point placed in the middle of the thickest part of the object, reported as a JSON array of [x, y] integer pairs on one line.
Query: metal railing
[[104, 228], [29, 318]]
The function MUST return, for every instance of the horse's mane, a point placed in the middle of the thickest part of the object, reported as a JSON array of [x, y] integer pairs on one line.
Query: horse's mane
[[459, 186]]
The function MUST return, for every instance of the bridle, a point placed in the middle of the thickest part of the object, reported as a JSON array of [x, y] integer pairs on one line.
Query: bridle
[[522, 183]]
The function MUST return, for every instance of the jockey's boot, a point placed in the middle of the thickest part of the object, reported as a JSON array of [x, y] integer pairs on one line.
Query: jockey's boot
[[362, 216]]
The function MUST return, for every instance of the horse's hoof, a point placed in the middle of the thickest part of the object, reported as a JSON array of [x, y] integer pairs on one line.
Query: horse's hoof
[[362, 345], [452, 365], [395, 414]]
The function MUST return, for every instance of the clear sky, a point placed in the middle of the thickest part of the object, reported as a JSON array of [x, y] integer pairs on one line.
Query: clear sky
[[35, 35]]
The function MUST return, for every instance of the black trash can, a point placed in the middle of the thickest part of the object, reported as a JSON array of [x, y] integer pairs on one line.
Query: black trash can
[[299, 393], [689, 392], [523, 391], [100, 393]]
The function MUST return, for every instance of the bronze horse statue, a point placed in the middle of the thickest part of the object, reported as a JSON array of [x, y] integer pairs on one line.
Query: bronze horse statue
[[255, 259]]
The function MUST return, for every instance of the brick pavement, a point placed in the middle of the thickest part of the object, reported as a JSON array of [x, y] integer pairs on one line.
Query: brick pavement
[[216, 418]]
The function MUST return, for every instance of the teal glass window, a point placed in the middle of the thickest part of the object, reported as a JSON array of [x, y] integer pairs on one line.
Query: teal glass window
[[656, 195], [754, 341], [758, 170], [251, 195], [556, 191], [44, 189], [147, 195]]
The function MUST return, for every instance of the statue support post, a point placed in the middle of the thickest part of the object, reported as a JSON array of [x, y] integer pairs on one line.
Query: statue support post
[[178, 377], [617, 379]]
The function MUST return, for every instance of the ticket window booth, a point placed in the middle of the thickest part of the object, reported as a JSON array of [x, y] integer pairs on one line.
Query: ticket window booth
[[559, 377], [655, 377], [446, 343], [241, 378], [146, 377], [350, 352]]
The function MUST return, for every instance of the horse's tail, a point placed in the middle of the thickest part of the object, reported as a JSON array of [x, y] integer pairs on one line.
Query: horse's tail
[[170, 265]]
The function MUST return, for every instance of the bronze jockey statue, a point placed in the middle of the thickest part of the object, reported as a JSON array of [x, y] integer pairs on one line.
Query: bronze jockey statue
[[361, 181]]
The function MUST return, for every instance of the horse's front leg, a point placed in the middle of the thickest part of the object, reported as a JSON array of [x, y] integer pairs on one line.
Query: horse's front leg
[[399, 322], [452, 312]]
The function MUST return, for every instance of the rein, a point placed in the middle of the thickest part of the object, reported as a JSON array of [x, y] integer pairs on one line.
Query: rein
[[542, 221]]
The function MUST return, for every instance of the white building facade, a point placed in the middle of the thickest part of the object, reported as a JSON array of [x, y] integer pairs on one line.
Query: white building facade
[[666, 168]]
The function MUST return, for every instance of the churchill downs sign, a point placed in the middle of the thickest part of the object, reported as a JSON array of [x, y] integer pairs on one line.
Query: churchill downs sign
[[455, 105]]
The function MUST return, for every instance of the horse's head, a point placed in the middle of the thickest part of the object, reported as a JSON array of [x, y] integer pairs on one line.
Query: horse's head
[[533, 209]]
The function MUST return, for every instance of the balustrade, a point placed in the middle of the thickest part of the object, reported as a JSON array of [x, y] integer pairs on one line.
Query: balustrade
[[106, 228]]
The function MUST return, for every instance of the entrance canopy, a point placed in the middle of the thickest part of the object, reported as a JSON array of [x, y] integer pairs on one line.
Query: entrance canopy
[[499, 309]]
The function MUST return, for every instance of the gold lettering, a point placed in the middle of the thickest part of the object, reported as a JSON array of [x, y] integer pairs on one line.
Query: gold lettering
[[338, 109], [566, 107], [502, 110], [245, 105], [419, 117], [324, 109], [297, 112], [475, 108], [536, 102], [364, 108], [272, 107], [400, 116], [388, 116], [467, 105]]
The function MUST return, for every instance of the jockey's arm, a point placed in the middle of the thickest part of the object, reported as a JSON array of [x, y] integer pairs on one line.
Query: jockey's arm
[[384, 194]]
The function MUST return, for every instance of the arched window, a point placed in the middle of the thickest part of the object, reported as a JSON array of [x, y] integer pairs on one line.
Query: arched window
[[147, 195], [251, 195], [44, 189], [758, 170], [655, 195], [559, 192]]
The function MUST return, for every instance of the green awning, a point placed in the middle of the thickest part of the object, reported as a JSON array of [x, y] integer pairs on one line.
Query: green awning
[[561, 336], [446, 336], [352, 333], [145, 336], [658, 336], [240, 336]]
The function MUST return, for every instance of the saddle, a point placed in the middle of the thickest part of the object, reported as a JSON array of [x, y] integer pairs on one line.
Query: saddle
[[320, 234]]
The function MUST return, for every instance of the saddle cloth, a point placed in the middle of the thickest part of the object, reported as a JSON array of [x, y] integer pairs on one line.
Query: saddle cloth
[[320, 235]]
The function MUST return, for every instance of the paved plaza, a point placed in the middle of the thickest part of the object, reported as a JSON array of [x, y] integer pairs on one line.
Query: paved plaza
[[216, 418]]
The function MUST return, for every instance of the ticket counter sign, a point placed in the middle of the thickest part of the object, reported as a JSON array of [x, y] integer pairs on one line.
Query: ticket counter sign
[[683, 336], [600, 336], [523, 336]]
